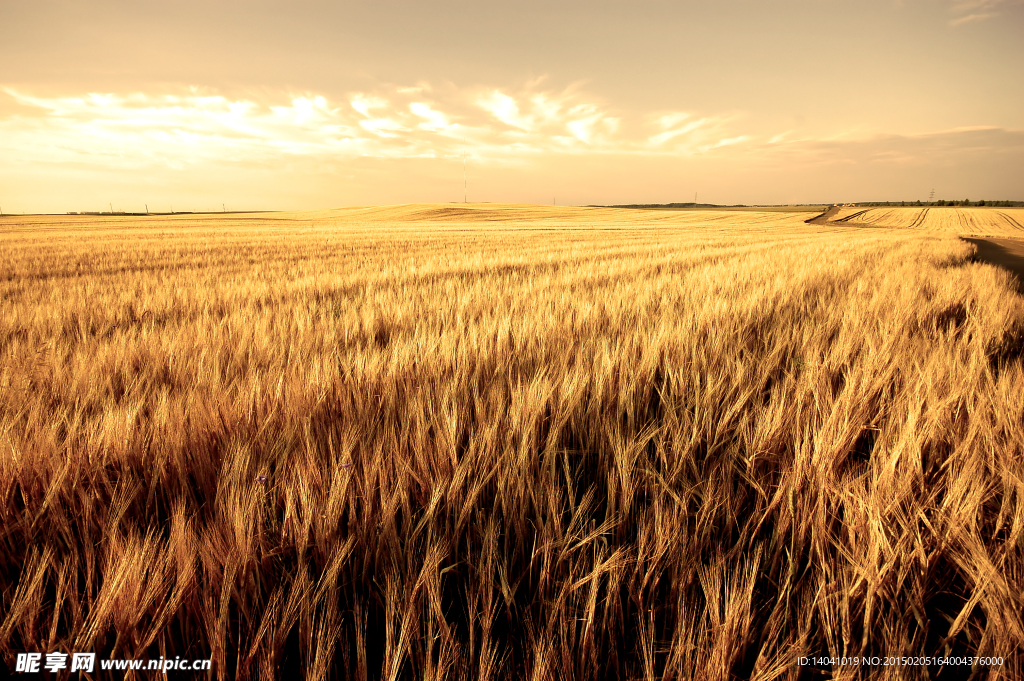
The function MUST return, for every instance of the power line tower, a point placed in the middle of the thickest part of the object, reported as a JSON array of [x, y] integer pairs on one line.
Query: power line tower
[[931, 197]]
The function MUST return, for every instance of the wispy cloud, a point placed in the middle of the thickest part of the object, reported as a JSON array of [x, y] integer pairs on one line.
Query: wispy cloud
[[196, 127], [971, 18], [199, 139], [972, 11], [961, 6], [942, 148]]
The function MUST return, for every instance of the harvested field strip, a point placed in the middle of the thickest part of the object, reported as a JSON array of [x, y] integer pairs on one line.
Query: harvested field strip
[[950, 220]]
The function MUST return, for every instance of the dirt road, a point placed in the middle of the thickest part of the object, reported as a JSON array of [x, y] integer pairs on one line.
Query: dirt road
[[824, 217]]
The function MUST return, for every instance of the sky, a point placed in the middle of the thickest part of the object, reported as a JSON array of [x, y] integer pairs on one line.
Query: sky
[[309, 104]]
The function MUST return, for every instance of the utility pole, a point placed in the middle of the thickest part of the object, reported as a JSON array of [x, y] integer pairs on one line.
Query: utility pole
[[465, 193]]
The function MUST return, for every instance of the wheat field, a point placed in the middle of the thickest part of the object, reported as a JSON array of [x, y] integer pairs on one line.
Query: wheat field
[[1001, 222], [516, 442]]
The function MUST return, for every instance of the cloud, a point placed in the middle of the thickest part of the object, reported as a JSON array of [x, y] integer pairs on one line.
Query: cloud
[[193, 127], [383, 127], [546, 118], [505, 109], [364, 104], [971, 18], [729, 141], [682, 133], [433, 120], [946, 148], [972, 11], [961, 6], [388, 145], [663, 137], [156, 138]]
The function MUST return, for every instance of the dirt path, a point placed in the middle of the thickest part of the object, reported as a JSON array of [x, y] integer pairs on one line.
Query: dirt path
[[1005, 253], [823, 218]]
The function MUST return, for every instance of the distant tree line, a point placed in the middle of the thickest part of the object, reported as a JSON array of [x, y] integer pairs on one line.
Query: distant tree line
[[943, 202]]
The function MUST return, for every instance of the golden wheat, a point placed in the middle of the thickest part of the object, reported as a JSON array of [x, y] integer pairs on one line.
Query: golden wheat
[[508, 442]]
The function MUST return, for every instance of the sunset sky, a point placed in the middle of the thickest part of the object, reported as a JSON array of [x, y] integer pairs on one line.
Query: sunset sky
[[300, 104]]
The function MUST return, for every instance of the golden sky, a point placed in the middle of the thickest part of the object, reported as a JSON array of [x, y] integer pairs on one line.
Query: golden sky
[[302, 104]]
